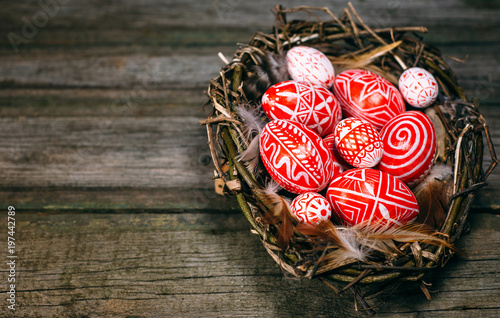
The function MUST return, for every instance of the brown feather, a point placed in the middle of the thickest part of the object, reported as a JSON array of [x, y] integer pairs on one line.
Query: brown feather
[[359, 241], [433, 196], [325, 231], [346, 244], [382, 239], [277, 211]]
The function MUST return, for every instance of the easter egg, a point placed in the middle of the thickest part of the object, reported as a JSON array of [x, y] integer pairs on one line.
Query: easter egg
[[418, 87], [312, 105], [339, 164], [368, 96], [409, 147], [358, 143], [311, 208], [307, 64], [295, 156], [371, 197]]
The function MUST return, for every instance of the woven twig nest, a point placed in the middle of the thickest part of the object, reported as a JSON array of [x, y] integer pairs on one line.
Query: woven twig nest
[[349, 43]]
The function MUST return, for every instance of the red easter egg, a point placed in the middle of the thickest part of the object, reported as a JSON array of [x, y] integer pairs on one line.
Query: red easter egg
[[358, 143], [409, 147], [311, 105], [339, 164], [311, 208], [295, 156], [307, 64], [371, 197], [368, 96]]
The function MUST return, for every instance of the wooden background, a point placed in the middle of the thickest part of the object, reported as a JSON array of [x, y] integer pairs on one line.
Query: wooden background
[[103, 158]]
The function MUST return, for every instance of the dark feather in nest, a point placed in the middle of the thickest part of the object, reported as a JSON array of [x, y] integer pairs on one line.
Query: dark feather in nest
[[277, 212], [270, 69], [433, 195]]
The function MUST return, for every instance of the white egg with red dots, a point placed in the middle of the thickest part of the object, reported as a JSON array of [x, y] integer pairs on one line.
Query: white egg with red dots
[[307, 64], [418, 87]]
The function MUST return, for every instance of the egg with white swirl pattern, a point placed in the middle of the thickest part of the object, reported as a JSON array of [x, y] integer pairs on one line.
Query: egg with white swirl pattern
[[409, 147]]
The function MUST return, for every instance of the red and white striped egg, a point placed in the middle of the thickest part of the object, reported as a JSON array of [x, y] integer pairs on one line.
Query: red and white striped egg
[[409, 147], [368, 96], [311, 208], [358, 143], [303, 102], [371, 197], [418, 87], [295, 156], [307, 64]]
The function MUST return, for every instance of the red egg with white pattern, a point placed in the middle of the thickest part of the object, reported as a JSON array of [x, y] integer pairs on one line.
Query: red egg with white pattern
[[307, 64], [358, 143], [409, 147], [311, 208], [339, 164], [418, 87], [306, 103], [295, 156], [369, 96], [371, 197]]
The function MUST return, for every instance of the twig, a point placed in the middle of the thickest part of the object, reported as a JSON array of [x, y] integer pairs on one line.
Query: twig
[[367, 309], [376, 36], [363, 274], [470, 189]]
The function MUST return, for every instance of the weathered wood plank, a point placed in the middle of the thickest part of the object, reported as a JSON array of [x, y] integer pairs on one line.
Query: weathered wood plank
[[209, 265], [156, 23], [140, 73]]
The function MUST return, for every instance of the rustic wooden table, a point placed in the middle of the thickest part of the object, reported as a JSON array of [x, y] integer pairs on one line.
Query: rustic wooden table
[[104, 161]]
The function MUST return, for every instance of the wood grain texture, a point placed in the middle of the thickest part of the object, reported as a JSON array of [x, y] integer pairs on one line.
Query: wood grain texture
[[210, 265]]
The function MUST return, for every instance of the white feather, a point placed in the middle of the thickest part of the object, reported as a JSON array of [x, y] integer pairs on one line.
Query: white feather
[[253, 122], [352, 247], [271, 187], [252, 118]]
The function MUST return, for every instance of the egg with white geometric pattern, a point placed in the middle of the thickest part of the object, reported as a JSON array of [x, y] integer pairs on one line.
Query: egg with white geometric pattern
[[303, 102], [358, 143], [295, 156], [369, 96], [371, 197]]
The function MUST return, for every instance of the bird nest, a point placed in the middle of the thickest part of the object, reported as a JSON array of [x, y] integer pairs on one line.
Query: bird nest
[[398, 255]]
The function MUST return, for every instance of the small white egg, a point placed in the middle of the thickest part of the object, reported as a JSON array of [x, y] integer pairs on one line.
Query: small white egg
[[418, 87]]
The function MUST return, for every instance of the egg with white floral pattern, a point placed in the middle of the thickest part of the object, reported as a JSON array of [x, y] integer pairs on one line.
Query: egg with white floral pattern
[[311, 208]]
